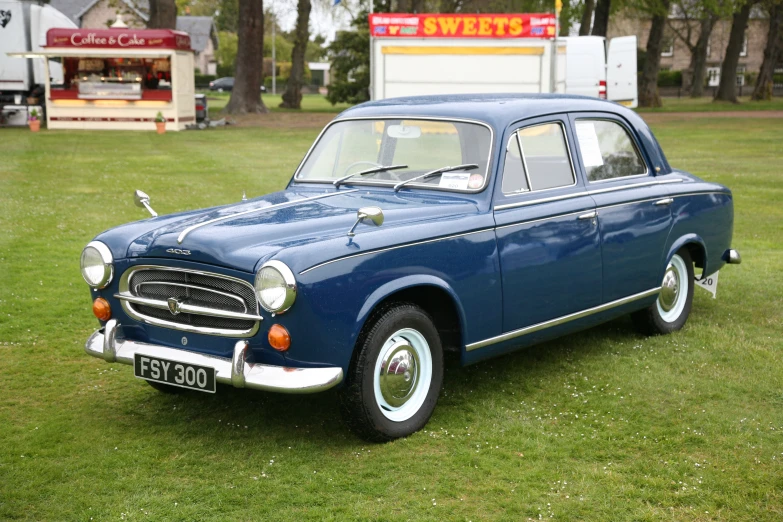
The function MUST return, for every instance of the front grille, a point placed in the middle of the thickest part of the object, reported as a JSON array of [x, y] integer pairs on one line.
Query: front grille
[[206, 290]]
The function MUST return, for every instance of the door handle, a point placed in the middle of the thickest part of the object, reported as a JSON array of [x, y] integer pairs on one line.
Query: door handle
[[662, 202], [589, 215]]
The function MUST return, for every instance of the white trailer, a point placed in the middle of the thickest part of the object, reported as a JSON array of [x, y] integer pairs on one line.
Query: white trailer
[[414, 63]]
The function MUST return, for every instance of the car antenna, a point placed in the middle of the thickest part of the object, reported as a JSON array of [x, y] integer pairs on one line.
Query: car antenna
[[244, 197]]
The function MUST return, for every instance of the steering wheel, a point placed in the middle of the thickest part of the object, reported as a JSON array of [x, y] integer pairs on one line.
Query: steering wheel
[[374, 164]]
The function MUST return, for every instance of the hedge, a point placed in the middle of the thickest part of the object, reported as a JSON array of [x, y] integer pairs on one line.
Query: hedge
[[202, 80], [670, 79]]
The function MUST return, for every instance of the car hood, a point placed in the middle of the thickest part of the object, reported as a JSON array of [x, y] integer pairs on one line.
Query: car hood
[[240, 236]]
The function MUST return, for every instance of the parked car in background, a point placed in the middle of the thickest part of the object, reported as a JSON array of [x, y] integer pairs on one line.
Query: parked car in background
[[225, 84], [413, 226]]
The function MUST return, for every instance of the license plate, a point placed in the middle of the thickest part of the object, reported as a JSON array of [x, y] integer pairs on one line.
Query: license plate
[[184, 375]]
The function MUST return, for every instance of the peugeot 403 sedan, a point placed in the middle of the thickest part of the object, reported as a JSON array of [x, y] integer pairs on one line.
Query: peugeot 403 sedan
[[473, 223]]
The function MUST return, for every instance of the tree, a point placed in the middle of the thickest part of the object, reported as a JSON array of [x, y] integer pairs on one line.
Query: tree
[[703, 16], [163, 14], [587, 17], [648, 83], [246, 94], [727, 89], [350, 53], [292, 97], [601, 21], [763, 88]]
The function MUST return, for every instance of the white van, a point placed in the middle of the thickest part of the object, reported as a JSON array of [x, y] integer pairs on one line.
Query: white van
[[573, 65]]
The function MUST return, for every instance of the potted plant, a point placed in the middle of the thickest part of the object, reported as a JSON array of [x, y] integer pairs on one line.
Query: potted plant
[[33, 121], [160, 123]]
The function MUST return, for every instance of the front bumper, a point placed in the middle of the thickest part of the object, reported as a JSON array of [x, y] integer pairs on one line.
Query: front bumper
[[103, 343]]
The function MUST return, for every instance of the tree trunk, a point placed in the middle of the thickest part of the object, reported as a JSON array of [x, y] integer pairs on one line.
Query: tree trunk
[[246, 94], [699, 55], [292, 97], [163, 14], [587, 18], [763, 89], [727, 90], [601, 22], [648, 83]]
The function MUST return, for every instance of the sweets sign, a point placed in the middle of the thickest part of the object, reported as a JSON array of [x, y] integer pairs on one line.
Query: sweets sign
[[463, 25]]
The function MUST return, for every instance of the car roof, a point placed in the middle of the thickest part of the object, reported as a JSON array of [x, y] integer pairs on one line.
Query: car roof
[[501, 110]]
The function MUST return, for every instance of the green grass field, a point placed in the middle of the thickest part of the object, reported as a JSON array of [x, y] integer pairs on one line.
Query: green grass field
[[602, 425], [706, 104], [310, 103]]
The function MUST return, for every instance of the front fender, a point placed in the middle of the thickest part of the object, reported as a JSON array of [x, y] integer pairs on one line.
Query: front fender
[[392, 287]]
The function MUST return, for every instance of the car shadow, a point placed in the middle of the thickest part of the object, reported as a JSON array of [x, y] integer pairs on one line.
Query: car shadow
[[315, 419]]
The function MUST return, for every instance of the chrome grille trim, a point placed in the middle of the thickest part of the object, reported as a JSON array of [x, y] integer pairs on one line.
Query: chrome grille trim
[[251, 319]]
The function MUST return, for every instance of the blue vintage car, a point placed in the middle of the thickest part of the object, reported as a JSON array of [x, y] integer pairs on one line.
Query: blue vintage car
[[413, 226]]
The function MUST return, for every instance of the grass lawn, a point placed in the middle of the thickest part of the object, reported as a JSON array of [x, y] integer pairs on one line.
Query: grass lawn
[[310, 103], [601, 425], [706, 104]]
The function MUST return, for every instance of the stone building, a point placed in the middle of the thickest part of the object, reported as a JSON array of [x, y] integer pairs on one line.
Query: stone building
[[676, 55]]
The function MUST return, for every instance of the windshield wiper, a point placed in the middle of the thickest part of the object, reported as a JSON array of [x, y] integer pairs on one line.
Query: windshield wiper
[[436, 172], [373, 170]]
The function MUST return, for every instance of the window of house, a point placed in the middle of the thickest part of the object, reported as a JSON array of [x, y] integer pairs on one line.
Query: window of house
[[744, 51], [713, 76], [667, 45], [740, 75], [545, 162], [607, 150]]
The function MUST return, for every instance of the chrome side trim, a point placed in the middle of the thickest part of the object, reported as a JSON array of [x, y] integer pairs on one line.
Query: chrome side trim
[[395, 248], [188, 309], [587, 193], [236, 371], [527, 222], [487, 174], [124, 292], [191, 228], [561, 320]]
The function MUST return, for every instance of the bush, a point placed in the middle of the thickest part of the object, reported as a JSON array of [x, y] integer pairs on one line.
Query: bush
[[777, 79], [202, 80], [670, 79], [280, 83]]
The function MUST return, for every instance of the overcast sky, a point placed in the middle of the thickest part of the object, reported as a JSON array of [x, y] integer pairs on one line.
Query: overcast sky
[[325, 19]]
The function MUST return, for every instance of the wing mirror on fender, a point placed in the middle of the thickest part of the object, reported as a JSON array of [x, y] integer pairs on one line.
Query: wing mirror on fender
[[143, 200], [374, 214]]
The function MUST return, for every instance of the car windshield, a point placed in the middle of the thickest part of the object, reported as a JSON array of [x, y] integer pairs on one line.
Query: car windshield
[[414, 146]]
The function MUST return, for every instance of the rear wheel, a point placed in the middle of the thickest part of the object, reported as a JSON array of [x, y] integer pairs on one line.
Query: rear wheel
[[395, 379], [670, 311]]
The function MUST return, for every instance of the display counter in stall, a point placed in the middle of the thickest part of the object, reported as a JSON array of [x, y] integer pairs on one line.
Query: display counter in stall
[[120, 79]]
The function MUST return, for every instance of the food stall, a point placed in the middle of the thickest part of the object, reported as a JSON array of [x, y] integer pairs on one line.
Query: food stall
[[120, 78]]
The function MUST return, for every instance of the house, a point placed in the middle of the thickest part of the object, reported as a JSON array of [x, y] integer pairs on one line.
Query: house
[[676, 56], [203, 40], [100, 14]]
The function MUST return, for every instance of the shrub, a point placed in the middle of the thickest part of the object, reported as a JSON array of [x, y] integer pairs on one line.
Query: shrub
[[670, 79], [202, 80]]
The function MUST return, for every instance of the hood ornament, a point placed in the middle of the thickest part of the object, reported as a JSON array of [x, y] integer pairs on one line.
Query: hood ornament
[[143, 200], [175, 306], [374, 214]]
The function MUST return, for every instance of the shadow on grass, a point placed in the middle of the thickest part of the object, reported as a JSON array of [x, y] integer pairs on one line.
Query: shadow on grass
[[314, 419]]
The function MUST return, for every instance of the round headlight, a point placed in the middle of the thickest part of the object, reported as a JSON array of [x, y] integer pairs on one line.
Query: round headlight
[[275, 287], [97, 267]]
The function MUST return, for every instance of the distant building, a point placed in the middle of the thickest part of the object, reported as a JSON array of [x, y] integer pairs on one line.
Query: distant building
[[675, 55], [203, 40], [100, 14]]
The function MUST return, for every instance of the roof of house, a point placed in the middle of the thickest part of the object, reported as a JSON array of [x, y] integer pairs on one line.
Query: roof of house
[[200, 29], [75, 9]]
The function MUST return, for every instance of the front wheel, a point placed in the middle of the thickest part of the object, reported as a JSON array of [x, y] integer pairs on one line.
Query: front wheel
[[395, 379], [673, 306]]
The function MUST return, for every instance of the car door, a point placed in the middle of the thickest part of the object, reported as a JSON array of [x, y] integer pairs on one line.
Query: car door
[[633, 206], [547, 235]]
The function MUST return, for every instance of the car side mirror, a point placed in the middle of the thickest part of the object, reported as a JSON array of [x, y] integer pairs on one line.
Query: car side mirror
[[143, 200], [373, 214]]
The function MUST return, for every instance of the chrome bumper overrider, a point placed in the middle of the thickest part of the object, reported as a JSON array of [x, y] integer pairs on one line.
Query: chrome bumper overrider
[[732, 257], [237, 371]]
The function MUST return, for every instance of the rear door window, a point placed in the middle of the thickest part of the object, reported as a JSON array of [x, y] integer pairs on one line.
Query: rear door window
[[607, 150]]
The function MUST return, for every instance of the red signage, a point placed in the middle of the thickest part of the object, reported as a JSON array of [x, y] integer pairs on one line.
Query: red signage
[[461, 25], [118, 39]]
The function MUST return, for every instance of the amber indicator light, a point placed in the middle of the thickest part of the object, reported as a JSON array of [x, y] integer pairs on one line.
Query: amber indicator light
[[101, 309], [279, 338]]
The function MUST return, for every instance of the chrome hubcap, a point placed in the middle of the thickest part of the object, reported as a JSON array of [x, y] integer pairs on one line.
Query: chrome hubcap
[[398, 373], [670, 289]]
